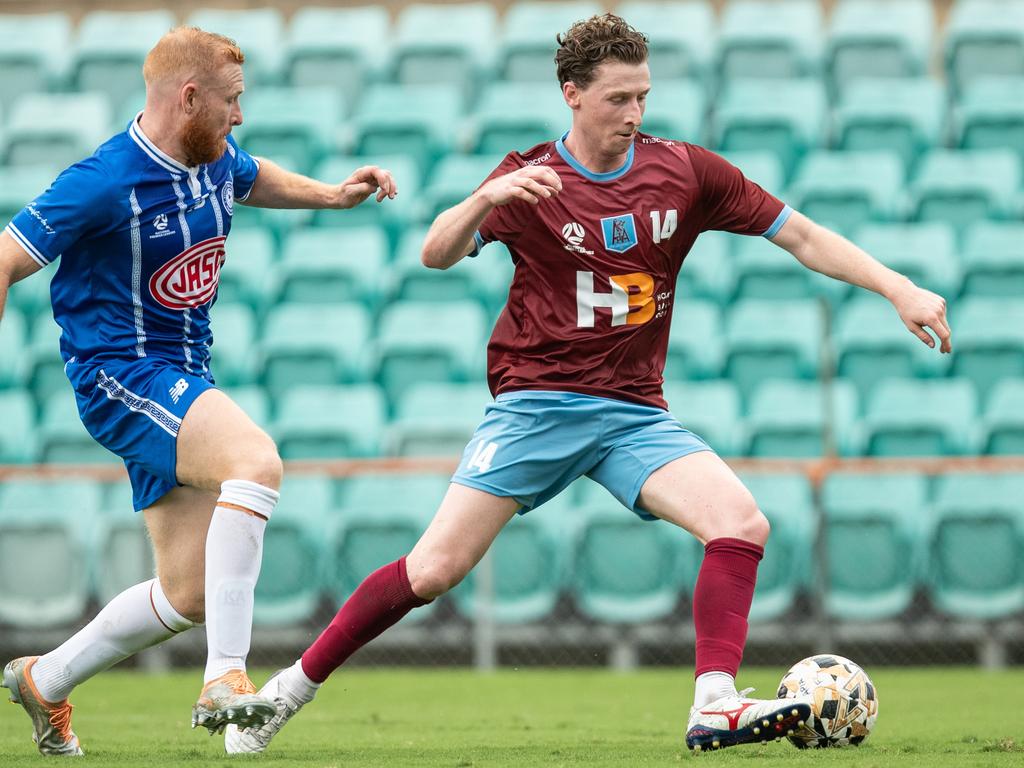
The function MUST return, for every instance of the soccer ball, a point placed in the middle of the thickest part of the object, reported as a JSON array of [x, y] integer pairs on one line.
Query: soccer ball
[[844, 702]]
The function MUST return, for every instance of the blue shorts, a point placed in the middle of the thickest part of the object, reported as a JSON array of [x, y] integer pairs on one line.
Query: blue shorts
[[531, 445], [134, 408]]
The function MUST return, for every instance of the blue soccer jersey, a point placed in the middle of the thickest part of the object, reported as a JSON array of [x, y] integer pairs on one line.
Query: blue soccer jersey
[[141, 241]]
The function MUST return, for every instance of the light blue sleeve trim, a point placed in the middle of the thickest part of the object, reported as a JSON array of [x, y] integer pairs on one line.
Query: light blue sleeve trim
[[781, 219], [478, 243]]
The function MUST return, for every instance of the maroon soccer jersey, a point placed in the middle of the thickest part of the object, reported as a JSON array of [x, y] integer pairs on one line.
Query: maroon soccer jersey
[[590, 304]]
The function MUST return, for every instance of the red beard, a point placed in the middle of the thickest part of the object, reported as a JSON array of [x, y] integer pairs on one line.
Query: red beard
[[201, 142]]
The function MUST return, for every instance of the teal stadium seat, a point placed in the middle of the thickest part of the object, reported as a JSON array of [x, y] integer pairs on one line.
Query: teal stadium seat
[[419, 492], [920, 417], [259, 32], [394, 215], [326, 266], [977, 553], [801, 419], [710, 409], [788, 565], [436, 419], [111, 46], [314, 344], [983, 37], [1002, 428], [254, 400], [993, 259], [765, 271], [708, 272], [123, 553], [877, 38], [246, 269], [528, 36], [454, 179], [341, 48], [902, 115], [55, 129], [514, 117], [32, 295], [925, 252], [680, 36], [877, 528], [786, 117], [696, 341], [992, 114], [762, 166], [233, 354], [33, 53], [843, 190], [677, 110], [13, 337], [18, 437], [45, 368], [989, 340], [772, 339], [62, 438], [330, 422], [18, 186], [964, 186], [770, 39], [51, 522], [288, 590]]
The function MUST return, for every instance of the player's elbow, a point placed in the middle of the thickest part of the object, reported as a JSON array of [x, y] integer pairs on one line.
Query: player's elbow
[[434, 257]]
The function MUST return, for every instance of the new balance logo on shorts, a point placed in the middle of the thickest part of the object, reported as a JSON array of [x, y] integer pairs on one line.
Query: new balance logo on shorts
[[177, 390]]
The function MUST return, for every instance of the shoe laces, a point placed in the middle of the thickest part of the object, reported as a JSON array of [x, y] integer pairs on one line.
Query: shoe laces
[[745, 692], [238, 680], [60, 718]]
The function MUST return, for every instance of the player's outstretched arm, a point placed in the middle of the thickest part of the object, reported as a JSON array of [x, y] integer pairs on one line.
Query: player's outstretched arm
[[450, 238], [833, 255], [277, 188], [15, 265]]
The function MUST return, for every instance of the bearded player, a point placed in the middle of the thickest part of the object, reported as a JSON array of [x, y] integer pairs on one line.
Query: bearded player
[[598, 223], [140, 230]]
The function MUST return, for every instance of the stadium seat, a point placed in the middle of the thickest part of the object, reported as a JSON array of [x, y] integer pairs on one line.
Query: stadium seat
[[765, 271], [710, 409], [786, 117], [276, 221], [18, 186], [110, 47], [772, 339], [62, 439], [801, 419], [288, 590], [123, 553], [51, 522], [920, 417], [925, 252], [254, 400], [234, 336], [45, 368], [515, 116], [13, 338], [18, 437], [983, 37], [695, 342], [788, 564], [329, 422], [314, 344], [708, 272], [326, 266], [676, 109], [1002, 428], [244, 274], [989, 340], [977, 553], [872, 345], [876, 38], [843, 190], [680, 36], [33, 53], [991, 114], [259, 32], [55, 129], [964, 186], [436, 419], [424, 341], [528, 36], [443, 43], [993, 259], [416, 492], [905, 115], [454, 179], [770, 39], [876, 531], [341, 48], [297, 123], [762, 166]]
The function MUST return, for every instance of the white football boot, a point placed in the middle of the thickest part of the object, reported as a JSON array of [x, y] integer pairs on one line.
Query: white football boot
[[231, 698], [51, 722], [256, 739], [735, 719]]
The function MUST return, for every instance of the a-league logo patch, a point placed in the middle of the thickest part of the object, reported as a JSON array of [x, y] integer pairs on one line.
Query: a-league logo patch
[[619, 232], [227, 195]]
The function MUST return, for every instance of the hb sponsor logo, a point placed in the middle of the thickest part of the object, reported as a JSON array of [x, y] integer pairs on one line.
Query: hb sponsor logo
[[632, 300], [190, 278]]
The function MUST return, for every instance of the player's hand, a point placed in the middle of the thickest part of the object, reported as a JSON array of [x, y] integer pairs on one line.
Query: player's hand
[[531, 183], [364, 182], [920, 309]]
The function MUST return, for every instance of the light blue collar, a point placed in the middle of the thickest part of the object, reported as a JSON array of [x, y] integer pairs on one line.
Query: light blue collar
[[583, 171]]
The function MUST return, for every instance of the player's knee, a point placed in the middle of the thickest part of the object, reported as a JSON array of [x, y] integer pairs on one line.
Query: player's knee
[[739, 517], [187, 599], [755, 527], [441, 574], [259, 463]]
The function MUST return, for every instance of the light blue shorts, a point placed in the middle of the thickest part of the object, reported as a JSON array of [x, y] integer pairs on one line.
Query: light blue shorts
[[532, 444]]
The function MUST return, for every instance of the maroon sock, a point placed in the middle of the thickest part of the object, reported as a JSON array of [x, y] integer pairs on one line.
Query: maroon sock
[[384, 597], [721, 603]]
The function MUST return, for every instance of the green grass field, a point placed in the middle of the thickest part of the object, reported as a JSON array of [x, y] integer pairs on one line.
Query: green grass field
[[460, 719]]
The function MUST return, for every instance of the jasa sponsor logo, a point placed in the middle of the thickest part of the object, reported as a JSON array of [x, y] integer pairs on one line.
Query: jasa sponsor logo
[[190, 278]]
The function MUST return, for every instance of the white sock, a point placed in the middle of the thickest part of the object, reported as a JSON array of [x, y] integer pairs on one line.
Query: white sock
[[711, 686], [234, 549], [137, 618], [297, 685]]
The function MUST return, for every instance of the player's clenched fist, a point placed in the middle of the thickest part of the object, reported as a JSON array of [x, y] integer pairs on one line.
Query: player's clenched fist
[[531, 183]]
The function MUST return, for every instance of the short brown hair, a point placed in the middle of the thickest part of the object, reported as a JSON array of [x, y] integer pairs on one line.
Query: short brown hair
[[190, 52], [590, 43]]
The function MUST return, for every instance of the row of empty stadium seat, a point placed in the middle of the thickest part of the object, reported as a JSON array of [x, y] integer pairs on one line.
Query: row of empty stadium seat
[[886, 538]]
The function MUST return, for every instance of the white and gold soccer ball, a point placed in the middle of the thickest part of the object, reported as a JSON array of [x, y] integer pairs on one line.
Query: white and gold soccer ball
[[844, 701]]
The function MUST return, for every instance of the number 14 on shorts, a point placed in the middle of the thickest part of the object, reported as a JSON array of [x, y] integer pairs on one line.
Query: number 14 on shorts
[[483, 455]]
